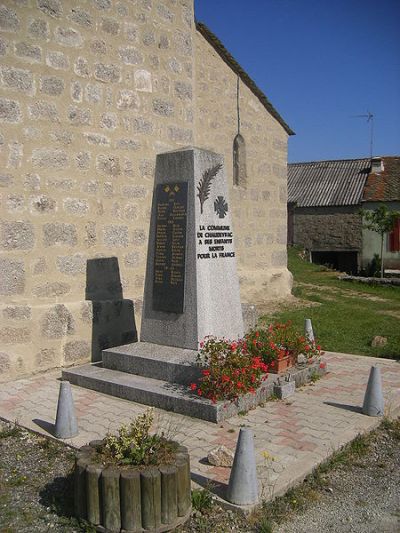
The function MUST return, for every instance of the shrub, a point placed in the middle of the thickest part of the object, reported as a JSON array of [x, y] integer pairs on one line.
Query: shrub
[[133, 445]]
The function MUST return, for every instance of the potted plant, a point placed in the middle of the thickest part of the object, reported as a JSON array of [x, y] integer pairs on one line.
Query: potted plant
[[279, 346], [133, 480]]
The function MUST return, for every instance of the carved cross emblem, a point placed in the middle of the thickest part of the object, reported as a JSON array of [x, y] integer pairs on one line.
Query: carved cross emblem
[[221, 207]]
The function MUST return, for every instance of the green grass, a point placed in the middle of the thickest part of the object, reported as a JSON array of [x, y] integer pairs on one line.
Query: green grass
[[345, 316]]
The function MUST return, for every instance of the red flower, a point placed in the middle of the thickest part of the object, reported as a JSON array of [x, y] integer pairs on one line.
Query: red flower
[[272, 364], [307, 348], [257, 334], [234, 345], [199, 392], [205, 372], [251, 389], [239, 384], [318, 347], [193, 386]]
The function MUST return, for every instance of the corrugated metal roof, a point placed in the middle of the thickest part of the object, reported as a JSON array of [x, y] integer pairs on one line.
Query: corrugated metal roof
[[327, 183], [384, 186]]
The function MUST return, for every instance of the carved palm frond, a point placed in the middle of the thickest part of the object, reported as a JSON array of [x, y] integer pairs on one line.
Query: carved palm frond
[[204, 185]]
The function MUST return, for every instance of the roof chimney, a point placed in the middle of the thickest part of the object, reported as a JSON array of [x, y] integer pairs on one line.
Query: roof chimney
[[376, 165]]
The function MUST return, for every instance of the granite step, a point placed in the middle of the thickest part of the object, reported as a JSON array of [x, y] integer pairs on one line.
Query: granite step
[[166, 363], [144, 390]]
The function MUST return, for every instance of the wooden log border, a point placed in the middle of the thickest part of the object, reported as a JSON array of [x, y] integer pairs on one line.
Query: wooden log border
[[132, 500]]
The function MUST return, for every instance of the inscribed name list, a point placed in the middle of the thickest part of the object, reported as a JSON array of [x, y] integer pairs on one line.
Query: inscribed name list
[[170, 247]]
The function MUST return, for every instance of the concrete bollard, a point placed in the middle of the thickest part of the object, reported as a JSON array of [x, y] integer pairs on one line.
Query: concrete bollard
[[243, 483], [308, 329], [373, 400], [66, 425]]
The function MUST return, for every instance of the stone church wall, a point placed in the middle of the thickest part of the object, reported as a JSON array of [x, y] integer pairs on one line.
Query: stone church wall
[[90, 92]]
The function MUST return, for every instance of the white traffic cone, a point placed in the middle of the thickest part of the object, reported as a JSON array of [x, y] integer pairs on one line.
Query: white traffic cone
[[66, 424], [373, 399], [243, 483], [308, 329]]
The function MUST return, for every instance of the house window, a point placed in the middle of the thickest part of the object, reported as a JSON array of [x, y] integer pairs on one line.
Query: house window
[[239, 161], [394, 237]]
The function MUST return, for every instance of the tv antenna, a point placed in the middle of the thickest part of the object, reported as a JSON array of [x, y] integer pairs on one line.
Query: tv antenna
[[370, 118]]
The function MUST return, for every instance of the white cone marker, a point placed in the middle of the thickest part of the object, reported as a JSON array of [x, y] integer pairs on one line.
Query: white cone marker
[[66, 424], [243, 482], [373, 399]]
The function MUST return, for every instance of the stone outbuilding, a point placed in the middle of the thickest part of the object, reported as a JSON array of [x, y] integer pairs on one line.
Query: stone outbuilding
[[324, 202], [89, 94]]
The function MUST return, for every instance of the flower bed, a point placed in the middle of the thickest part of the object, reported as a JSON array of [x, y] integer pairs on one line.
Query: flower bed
[[231, 369], [133, 481]]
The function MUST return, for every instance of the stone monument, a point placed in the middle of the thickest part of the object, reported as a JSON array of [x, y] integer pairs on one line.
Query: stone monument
[[192, 286], [191, 290]]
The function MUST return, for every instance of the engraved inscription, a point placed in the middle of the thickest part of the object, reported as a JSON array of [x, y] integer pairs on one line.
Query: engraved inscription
[[170, 247]]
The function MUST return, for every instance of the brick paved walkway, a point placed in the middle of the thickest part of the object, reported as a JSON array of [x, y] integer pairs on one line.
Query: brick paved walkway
[[291, 437]]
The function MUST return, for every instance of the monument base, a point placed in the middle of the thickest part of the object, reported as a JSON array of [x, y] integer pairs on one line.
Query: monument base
[[159, 376]]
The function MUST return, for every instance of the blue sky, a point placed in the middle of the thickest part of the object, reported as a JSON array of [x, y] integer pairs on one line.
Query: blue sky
[[320, 62]]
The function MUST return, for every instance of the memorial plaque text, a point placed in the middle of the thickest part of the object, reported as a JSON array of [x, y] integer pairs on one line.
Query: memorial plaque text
[[170, 247]]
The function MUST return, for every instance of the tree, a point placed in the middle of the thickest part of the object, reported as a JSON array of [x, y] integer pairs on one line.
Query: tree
[[381, 220]]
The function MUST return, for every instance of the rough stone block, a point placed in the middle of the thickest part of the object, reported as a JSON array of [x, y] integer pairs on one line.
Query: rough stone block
[[163, 108], [110, 26], [39, 29], [43, 204], [81, 17], [183, 90], [73, 265], [44, 158], [57, 322], [51, 85], [107, 73], [17, 236], [76, 206], [78, 116], [109, 165], [52, 8], [12, 279], [96, 139], [10, 335], [127, 144], [91, 234], [149, 38], [9, 20], [132, 260], [142, 125], [143, 81], [116, 236], [42, 110], [18, 79], [127, 99], [57, 60], [28, 52], [17, 312], [46, 358], [98, 47], [6, 180], [83, 160], [15, 203], [76, 351], [51, 289], [81, 67], [68, 37], [130, 56], [93, 93], [4, 363], [102, 4], [109, 121], [59, 234], [76, 91]]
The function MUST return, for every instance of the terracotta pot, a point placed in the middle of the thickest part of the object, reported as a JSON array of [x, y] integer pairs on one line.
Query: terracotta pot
[[281, 365]]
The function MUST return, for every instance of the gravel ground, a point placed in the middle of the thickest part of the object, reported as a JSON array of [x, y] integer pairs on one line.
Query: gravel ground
[[360, 492]]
